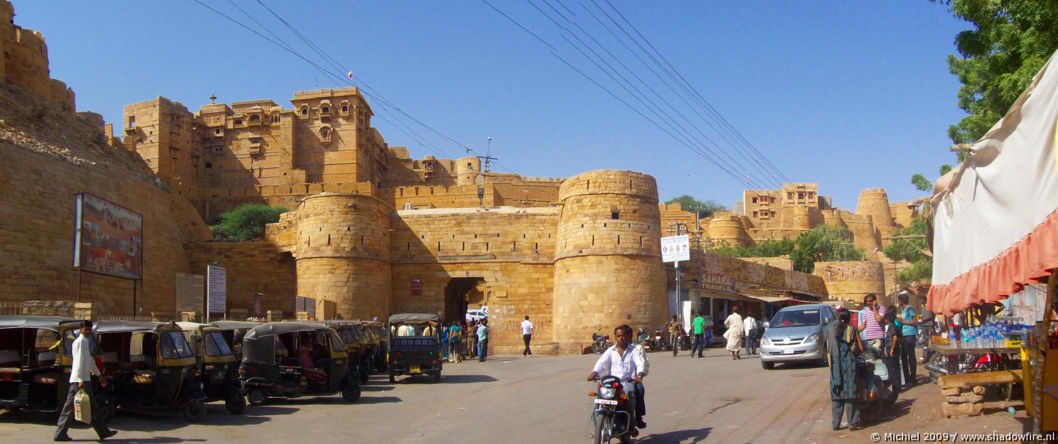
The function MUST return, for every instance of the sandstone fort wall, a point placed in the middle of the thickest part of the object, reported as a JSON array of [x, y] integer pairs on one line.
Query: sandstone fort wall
[[852, 280], [607, 260], [251, 268]]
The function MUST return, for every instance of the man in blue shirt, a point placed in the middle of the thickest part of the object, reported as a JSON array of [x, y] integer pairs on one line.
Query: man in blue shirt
[[909, 331]]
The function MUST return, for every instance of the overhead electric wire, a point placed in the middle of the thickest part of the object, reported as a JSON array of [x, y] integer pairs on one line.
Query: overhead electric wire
[[675, 128], [669, 119], [695, 94], [664, 115]]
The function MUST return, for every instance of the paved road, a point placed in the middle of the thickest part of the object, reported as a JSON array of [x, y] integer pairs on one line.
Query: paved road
[[543, 400]]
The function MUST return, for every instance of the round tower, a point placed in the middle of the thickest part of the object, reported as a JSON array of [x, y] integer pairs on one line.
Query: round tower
[[875, 203], [608, 268], [729, 229], [468, 170], [343, 254]]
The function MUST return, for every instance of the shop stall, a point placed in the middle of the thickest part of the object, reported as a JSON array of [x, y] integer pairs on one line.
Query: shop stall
[[996, 227]]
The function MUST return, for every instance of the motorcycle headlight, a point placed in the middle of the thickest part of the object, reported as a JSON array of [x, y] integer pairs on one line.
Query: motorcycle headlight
[[607, 392], [765, 341], [812, 338]]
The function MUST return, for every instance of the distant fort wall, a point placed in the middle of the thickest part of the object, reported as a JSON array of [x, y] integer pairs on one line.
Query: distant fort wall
[[852, 280], [25, 61]]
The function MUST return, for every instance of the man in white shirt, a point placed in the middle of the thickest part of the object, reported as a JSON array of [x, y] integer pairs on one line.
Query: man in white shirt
[[624, 362], [749, 324], [527, 335], [84, 366]]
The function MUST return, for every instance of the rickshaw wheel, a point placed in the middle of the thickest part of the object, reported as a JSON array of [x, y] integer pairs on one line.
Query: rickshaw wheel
[[194, 410], [437, 376], [256, 397], [235, 403], [364, 375], [392, 377], [351, 392]]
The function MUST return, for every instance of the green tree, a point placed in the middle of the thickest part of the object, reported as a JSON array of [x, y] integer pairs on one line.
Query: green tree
[[824, 243], [912, 250], [246, 222], [1010, 42], [689, 203], [765, 248], [921, 183]]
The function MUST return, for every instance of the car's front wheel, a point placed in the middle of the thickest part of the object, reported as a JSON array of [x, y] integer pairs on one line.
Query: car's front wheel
[[767, 365]]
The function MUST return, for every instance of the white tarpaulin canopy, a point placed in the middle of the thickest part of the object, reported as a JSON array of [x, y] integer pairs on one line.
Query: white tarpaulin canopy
[[995, 223]]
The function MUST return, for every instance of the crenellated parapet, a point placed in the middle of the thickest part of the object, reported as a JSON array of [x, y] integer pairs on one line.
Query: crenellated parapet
[[25, 61]]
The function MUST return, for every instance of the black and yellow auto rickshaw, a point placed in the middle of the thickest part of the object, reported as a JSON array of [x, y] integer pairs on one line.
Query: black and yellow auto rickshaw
[[349, 333], [217, 368], [35, 362], [151, 368], [414, 345], [233, 332], [291, 359], [382, 350]]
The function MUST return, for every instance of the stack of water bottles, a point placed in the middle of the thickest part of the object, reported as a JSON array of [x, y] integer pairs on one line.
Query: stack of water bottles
[[995, 332]]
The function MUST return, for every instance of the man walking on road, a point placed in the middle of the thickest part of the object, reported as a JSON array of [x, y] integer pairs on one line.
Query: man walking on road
[[483, 340], [81, 379], [675, 332], [909, 333], [527, 335], [750, 327], [699, 341]]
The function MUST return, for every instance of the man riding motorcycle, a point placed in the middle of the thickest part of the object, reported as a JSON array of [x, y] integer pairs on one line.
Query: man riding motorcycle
[[625, 362]]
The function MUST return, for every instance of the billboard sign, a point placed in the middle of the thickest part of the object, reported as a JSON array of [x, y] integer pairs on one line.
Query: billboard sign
[[189, 290], [108, 238], [675, 248], [216, 289]]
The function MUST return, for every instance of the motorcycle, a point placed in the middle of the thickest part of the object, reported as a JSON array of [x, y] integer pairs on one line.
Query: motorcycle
[[875, 385], [643, 338], [611, 415], [600, 343], [659, 342]]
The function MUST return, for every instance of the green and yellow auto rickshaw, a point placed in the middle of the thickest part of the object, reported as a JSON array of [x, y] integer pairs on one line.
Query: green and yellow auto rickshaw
[[151, 368], [292, 359], [349, 333], [35, 362], [217, 368], [382, 349]]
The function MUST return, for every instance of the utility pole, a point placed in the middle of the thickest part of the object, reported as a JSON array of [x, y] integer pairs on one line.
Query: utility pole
[[679, 297], [698, 249]]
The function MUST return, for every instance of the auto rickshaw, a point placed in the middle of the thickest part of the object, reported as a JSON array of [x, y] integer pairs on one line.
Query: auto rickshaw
[[292, 359], [217, 368], [35, 361], [349, 333], [233, 332], [151, 368], [414, 345], [383, 345]]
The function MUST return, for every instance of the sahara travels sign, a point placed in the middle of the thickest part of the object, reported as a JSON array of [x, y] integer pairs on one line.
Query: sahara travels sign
[[718, 282], [109, 238]]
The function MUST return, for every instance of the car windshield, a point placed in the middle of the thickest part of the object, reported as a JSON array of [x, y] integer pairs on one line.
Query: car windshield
[[216, 345], [795, 318], [175, 346]]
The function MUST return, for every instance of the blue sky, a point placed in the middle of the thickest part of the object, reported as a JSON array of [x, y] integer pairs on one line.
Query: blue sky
[[851, 95]]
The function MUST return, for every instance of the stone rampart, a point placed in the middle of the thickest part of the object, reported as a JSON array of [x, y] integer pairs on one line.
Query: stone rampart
[[852, 280], [342, 252], [607, 260], [25, 61], [251, 268]]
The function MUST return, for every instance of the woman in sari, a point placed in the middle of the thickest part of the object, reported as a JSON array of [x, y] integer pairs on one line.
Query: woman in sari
[[843, 342]]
